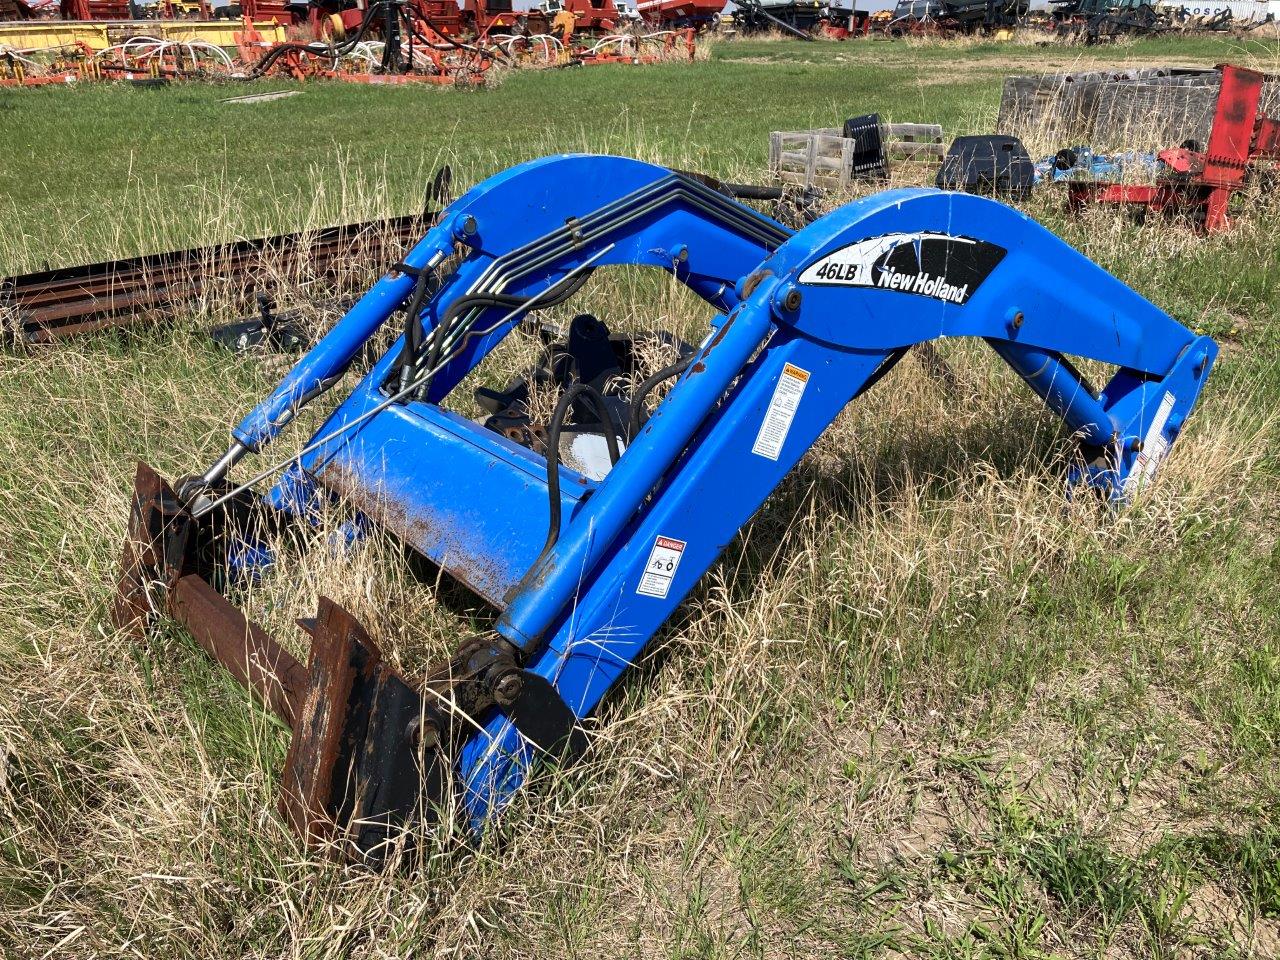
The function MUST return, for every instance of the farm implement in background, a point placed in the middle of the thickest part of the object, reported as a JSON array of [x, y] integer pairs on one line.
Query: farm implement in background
[[677, 14], [387, 42], [585, 531], [945, 18], [392, 43], [1105, 21], [1197, 183], [802, 19]]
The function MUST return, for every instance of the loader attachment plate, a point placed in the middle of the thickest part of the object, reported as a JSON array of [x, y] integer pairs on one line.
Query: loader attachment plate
[[356, 757]]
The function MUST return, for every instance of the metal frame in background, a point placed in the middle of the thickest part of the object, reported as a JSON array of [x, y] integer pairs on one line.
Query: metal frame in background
[[1201, 184]]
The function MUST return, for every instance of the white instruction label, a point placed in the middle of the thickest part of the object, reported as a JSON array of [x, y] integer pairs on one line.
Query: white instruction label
[[1154, 447], [664, 560], [782, 410]]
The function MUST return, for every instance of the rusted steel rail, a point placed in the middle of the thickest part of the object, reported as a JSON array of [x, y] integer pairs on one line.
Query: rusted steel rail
[[53, 305]]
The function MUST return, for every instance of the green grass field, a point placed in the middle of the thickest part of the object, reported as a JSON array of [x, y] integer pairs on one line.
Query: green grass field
[[922, 707], [88, 171]]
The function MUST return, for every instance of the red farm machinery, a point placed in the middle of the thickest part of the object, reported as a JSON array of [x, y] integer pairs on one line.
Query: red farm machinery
[[1199, 182]]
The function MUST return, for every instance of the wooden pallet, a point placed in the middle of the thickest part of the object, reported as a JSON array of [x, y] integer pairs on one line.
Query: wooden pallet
[[824, 157]]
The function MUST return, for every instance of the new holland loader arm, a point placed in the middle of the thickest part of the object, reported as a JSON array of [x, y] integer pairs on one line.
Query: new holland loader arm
[[583, 568]]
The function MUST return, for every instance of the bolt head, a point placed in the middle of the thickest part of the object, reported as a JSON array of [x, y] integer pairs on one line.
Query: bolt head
[[1017, 319], [508, 688], [792, 300], [429, 737], [423, 733]]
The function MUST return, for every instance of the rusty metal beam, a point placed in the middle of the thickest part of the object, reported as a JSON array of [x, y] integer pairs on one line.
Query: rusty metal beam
[[246, 650], [157, 550], [52, 305], [307, 798]]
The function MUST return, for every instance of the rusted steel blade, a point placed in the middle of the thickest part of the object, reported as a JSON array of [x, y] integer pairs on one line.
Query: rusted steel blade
[[360, 761], [339, 648], [248, 653], [157, 550]]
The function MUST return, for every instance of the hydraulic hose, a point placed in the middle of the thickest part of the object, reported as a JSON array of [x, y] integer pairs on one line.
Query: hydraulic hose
[[332, 51], [449, 42], [445, 329], [647, 387], [413, 328], [553, 451]]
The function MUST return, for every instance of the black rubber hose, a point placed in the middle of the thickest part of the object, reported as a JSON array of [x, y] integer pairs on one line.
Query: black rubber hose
[[449, 42], [550, 297], [646, 387], [413, 328], [553, 452], [739, 191], [751, 191], [390, 38], [366, 24]]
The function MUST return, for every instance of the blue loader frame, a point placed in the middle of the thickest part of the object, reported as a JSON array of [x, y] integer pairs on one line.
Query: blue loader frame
[[584, 571]]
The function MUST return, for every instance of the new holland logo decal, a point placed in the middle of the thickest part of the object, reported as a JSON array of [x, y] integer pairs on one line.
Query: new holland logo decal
[[934, 265]]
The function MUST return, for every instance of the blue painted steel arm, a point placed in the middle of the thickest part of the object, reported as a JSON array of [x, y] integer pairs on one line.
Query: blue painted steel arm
[[330, 357], [846, 296], [503, 224]]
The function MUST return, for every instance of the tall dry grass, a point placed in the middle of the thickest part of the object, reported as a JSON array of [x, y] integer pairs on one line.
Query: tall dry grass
[[916, 616]]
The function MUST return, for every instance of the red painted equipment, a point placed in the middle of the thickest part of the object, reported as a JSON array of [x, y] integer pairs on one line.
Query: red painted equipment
[[667, 12], [15, 10], [96, 10], [444, 16], [264, 11], [1201, 183], [482, 16], [585, 16], [661, 47]]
